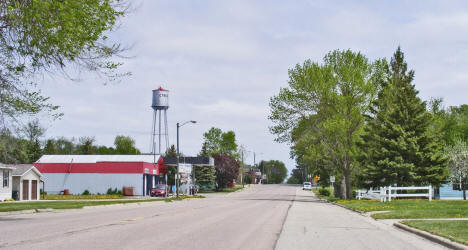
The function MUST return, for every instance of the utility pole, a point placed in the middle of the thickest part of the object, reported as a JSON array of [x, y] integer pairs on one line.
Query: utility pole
[[177, 173], [254, 159], [178, 155], [242, 168]]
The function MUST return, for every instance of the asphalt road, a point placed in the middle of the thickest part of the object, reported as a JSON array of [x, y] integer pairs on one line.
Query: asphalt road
[[249, 219]]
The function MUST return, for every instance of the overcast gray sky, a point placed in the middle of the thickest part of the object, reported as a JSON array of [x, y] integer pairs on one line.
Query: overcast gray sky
[[223, 60]]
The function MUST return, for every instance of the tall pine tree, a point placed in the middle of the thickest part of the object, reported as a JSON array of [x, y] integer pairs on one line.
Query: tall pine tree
[[398, 147]]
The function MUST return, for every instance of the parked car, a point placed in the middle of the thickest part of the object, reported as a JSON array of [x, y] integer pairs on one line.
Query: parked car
[[159, 190], [307, 186]]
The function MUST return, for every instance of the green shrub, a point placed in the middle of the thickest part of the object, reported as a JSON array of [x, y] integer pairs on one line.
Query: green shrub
[[86, 192], [114, 191], [324, 191]]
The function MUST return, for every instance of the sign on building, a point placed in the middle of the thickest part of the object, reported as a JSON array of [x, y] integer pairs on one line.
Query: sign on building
[[185, 168]]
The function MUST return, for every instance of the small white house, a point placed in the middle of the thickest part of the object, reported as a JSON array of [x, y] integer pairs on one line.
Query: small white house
[[26, 182], [6, 185]]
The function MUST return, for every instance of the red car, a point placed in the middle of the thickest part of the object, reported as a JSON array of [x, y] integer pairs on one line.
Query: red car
[[159, 190]]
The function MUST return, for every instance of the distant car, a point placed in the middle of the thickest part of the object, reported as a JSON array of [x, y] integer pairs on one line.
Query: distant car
[[307, 186], [159, 190]]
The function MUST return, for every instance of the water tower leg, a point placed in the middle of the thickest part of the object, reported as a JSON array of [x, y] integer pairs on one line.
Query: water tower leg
[[153, 134], [166, 129], [159, 132]]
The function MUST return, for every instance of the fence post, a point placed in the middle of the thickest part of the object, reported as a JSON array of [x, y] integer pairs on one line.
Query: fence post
[[389, 193], [430, 192], [383, 197]]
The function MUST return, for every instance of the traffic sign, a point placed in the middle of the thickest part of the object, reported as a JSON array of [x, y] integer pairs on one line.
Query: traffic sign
[[316, 178], [332, 179]]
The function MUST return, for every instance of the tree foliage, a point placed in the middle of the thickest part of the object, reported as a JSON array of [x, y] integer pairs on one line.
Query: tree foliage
[[39, 36], [171, 151], [28, 147], [275, 171], [205, 176], [125, 145], [218, 142], [86, 146], [458, 164], [324, 105], [227, 169], [450, 124], [398, 146]]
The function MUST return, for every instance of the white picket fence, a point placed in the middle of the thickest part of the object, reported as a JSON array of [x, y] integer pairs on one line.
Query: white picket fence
[[387, 193], [370, 194]]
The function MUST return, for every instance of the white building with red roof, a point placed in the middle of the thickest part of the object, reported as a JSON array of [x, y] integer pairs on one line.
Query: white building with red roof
[[98, 173]]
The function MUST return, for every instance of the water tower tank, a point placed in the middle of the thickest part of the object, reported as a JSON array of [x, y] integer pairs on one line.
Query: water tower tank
[[160, 99]]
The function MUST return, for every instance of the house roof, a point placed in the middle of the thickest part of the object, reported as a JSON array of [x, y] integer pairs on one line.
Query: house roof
[[97, 158], [21, 169], [5, 166]]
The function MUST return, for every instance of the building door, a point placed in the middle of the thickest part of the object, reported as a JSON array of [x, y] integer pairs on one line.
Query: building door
[[26, 190], [149, 184], [34, 190]]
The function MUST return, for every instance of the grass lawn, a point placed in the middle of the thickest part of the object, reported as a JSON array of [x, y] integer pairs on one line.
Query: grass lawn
[[70, 204], [410, 209], [81, 197], [453, 230], [329, 198]]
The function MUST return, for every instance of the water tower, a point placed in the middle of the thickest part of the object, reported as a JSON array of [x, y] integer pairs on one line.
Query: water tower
[[160, 105]]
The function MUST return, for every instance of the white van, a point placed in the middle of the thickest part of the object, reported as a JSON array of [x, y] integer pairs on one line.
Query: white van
[[307, 186]]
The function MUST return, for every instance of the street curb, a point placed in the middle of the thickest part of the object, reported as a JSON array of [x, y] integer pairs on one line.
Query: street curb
[[350, 209], [29, 211], [432, 237], [336, 204]]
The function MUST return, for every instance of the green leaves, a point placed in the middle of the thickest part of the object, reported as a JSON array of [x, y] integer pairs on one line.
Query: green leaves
[[218, 142], [321, 112], [40, 36]]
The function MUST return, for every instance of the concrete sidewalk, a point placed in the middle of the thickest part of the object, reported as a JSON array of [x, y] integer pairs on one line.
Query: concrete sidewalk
[[315, 224]]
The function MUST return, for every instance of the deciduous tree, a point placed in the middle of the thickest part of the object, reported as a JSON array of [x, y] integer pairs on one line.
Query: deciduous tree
[[458, 163], [275, 171], [334, 96], [227, 169], [38, 36], [125, 145], [218, 142]]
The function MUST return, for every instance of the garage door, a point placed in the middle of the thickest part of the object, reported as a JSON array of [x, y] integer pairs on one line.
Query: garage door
[[25, 189], [34, 190]]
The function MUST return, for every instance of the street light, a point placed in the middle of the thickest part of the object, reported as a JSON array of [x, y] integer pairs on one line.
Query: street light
[[177, 174]]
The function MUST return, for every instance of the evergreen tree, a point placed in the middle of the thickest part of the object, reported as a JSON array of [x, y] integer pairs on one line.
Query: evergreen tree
[[171, 151], [397, 144], [205, 176], [33, 150]]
